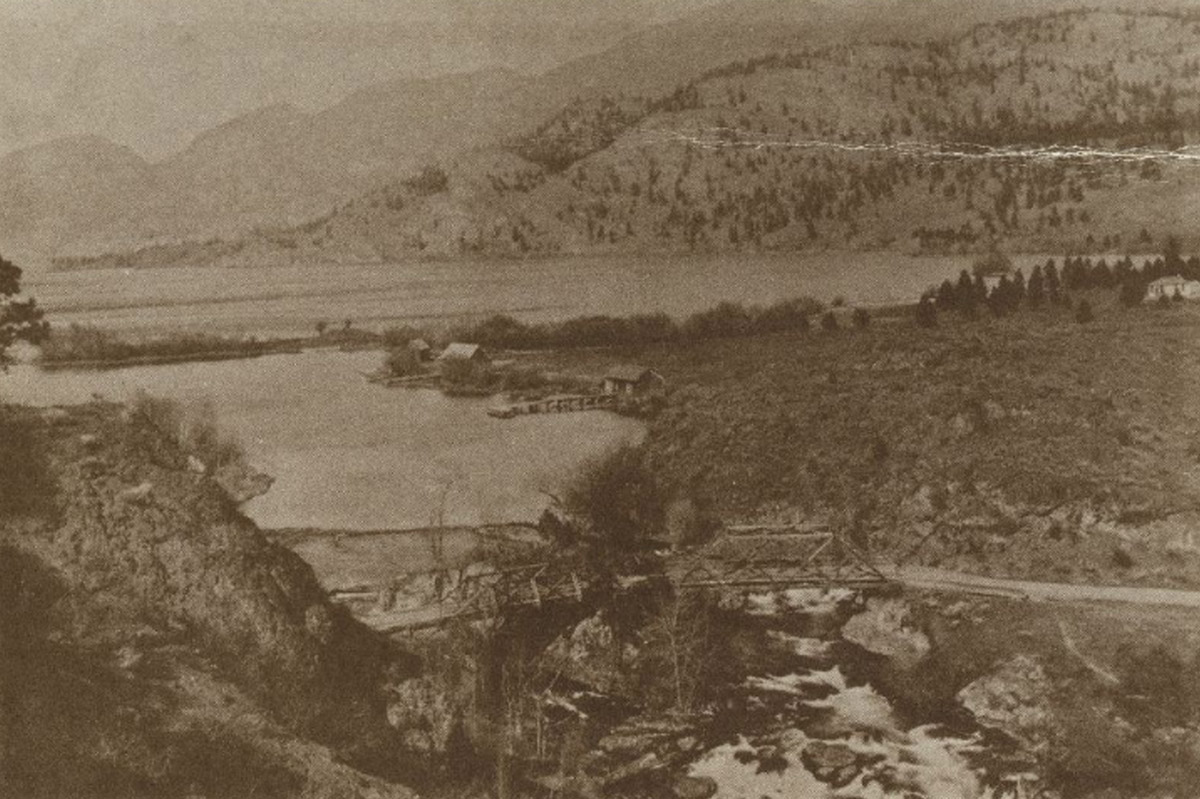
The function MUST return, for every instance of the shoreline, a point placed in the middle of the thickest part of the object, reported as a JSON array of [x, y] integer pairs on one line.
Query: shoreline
[[163, 360]]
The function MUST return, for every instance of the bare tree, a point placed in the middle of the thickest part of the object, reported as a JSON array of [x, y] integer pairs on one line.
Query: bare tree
[[680, 631]]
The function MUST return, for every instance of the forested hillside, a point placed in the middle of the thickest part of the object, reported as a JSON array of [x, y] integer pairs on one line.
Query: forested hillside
[[1067, 131]]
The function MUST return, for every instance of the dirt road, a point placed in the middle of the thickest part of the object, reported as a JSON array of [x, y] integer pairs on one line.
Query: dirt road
[[937, 580]]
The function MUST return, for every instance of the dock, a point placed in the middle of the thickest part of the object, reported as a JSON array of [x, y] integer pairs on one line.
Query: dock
[[562, 403]]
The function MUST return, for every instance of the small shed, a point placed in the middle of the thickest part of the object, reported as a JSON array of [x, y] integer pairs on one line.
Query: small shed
[[1173, 286], [459, 351], [633, 380], [420, 347]]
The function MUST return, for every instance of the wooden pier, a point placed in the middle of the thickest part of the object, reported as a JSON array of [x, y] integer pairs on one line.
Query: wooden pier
[[562, 403]]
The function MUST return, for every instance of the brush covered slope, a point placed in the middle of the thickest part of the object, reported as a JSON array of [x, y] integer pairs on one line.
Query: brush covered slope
[[1049, 133], [1030, 446], [155, 644]]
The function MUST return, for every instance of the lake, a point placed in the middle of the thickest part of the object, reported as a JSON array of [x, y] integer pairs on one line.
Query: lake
[[348, 454], [290, 300], [351, 455]]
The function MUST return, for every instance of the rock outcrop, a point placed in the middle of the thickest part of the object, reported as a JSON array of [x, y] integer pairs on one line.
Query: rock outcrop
[[1016, 699], [886, 628], [139, 595]]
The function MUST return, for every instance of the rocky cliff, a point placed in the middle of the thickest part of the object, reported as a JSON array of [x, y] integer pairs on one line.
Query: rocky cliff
[[154, 643]]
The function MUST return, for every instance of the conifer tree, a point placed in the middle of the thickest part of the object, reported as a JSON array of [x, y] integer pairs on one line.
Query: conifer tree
[[1035, 292]]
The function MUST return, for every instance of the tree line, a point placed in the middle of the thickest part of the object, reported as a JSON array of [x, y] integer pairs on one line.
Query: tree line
[[1049, 285], [724, 320]]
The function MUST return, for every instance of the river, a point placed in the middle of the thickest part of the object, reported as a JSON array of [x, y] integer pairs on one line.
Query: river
[[289, 300], [348, 454]]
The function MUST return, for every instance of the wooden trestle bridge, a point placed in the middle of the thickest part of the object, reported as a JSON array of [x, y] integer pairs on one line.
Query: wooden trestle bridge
[[743, 558]]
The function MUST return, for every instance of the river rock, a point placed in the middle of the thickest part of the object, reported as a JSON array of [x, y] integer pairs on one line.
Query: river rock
[[919, 506], [885, 628], [586, 655], [694, 787], [834, 763], [138, 494], [241, 482], [319, 622], [1015, 698], [91, 466], [423, 712], [634, 768]]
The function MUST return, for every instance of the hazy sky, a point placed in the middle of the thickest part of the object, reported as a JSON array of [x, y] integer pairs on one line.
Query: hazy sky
[[152, 73]]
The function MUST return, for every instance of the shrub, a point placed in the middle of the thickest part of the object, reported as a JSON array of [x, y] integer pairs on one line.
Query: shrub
[[725, 320], [1083, 312], [431, 180], [618, 501], [193, 428], [829, 322], [25, 483], [402, 362], [1132, 293], [461, 376], [84, 343], [926, 314], [401, 335]]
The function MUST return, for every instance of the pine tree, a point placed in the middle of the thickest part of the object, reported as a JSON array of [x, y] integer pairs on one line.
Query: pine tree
[[1053, 285], [1035, 292], [1172, 257], [946, 296], [19, 319], [965, 297]]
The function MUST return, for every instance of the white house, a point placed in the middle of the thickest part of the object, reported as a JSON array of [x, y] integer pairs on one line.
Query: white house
[[1173, 286]]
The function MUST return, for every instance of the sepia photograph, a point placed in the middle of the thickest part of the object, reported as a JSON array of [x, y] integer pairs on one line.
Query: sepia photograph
[[599, 399]]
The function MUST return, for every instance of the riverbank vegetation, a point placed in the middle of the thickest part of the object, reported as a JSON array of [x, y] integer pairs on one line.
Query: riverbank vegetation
[[83, 346], [1022, 445], [726, 319], [1034, 427]]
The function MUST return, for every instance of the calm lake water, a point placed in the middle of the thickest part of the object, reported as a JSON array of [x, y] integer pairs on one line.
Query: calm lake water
[[348, 454], [290, 300]]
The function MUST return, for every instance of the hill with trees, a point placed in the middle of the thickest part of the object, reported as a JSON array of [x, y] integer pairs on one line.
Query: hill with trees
[[1060, 132]]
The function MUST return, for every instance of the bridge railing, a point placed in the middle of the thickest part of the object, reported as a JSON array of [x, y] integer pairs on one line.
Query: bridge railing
[[776, 556], [747, 558]]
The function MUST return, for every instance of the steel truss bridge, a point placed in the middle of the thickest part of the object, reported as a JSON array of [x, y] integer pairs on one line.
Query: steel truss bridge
[[759, 558]]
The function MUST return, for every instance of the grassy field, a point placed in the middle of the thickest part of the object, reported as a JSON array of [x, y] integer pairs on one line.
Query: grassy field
[[1030, 445]]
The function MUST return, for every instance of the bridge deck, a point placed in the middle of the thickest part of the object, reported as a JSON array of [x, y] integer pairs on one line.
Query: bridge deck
[[748, 561]]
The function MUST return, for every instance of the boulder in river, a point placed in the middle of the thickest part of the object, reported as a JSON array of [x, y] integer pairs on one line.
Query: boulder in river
[[1015, 698], [886, 628], [586, 655], [834, 763], [694, 787]]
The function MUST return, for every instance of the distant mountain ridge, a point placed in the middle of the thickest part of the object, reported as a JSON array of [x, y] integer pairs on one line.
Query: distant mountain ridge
[[282, 171]]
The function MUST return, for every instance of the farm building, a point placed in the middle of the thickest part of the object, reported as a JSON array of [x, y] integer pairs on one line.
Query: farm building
[[1173, 286], [458, 351], [633, 380], [420, 348]]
